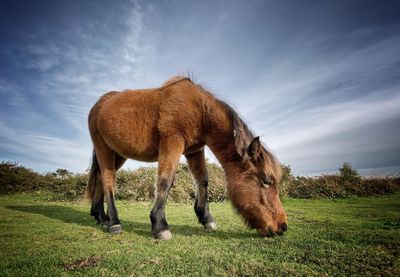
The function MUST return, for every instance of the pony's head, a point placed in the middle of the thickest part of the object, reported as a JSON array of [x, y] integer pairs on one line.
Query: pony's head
[[254, 188]]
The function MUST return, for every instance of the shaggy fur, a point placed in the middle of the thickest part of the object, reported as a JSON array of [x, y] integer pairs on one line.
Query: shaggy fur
[[181, 117]]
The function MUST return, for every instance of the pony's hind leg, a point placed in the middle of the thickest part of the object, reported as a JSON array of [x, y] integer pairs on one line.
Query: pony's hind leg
[[169, 155], [106, 158], [197, 165], [97, 209]]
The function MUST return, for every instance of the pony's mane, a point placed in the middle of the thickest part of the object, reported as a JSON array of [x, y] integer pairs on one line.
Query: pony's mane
[[241, 132], [176, 79]]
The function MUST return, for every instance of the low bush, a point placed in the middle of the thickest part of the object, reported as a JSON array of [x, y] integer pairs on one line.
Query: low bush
[[376, 186], [139, 184], [346, 183], [16, 178], [136, 185], [326, 186], [71, 187]]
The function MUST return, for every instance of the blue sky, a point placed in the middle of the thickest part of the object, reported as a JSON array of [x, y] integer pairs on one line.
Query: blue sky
[[319, 81]]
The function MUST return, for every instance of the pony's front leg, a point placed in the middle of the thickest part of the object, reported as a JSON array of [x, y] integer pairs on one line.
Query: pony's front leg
[[168, 161], [198, 167]]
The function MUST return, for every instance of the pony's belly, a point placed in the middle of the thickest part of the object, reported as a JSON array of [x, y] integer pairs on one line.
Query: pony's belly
[[142, 157], [136, 149]]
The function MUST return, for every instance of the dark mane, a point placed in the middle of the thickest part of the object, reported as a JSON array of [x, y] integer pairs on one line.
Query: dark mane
[[241, 131], [174, 80]]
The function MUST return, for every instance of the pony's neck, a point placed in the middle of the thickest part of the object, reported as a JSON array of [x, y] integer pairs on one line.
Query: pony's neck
[[221, 141]]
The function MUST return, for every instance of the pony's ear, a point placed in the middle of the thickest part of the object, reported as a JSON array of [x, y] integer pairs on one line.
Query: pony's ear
[[254, 149]]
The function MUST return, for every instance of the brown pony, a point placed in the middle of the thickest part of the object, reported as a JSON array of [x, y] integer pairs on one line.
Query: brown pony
[[163, 123]]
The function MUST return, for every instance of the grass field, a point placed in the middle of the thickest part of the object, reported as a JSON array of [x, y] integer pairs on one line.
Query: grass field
[[346, 237]]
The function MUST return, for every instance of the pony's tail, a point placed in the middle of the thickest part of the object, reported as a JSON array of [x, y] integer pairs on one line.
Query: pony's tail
[[93, 178]]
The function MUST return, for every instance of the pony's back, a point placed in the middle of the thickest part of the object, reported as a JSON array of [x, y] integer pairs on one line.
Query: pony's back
[[131, 122]]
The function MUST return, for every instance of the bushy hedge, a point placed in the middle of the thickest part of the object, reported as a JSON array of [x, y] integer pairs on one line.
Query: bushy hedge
[[139, 184], [71, 187], [15, 178], [62, 184], [347, 183]]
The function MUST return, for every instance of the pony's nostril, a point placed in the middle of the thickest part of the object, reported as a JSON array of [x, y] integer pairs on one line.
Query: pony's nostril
[[284, 227]]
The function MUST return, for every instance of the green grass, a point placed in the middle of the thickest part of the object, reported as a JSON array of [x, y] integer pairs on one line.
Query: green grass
[[345, 237]]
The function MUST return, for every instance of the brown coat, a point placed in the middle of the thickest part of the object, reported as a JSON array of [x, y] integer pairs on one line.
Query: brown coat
[[178, 118]]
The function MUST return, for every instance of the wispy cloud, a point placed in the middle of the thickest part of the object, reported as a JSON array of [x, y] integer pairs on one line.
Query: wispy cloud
[[327, 120], [71, 73], [303, 108], [311, 85]]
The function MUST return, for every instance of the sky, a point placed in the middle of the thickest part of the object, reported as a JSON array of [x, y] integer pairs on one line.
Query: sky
[[319, 81]]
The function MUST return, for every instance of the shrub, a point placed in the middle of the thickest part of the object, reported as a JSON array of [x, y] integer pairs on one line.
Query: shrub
[[15, 178], [347, 183], [71, 187], [325, 186], [376, 186], [217, 188], [287, 180], [349, 174], [139, 184], [136, 185], [62, 173]]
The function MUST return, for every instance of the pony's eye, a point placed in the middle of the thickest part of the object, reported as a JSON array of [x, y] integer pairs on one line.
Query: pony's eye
[[266, 182]]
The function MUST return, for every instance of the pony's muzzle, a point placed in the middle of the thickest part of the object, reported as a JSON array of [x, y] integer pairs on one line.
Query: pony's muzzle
[[282, 228], [269, 232]]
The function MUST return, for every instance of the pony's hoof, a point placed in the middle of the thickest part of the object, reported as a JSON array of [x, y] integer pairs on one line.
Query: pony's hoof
[[115, 229], [211, 226], [164, 235]]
